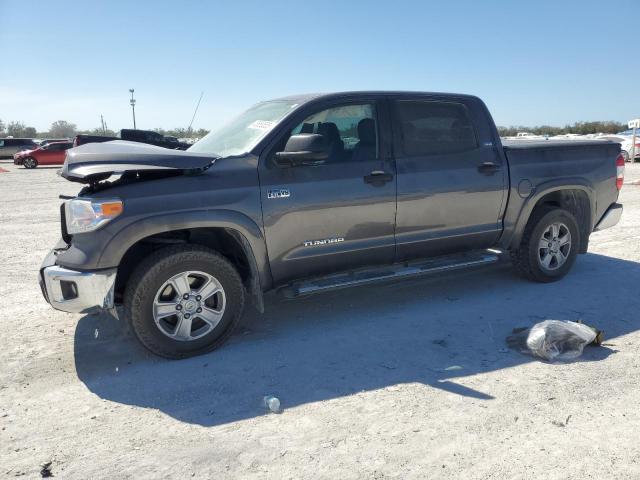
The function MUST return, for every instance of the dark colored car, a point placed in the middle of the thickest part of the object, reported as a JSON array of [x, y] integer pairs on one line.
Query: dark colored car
[[52, 153], [82, 139], [316, 192], [152, 138], [10, 146], [141, 136]]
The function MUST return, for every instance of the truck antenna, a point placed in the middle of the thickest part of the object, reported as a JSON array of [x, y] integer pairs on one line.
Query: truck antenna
[[194, 113]]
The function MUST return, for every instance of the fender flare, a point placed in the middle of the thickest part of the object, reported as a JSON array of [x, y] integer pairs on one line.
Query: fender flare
[[556, 185], [241, 226]]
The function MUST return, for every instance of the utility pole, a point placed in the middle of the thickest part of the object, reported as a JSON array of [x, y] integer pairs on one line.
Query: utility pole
[[633, 124], [133, 108], [104, 127]]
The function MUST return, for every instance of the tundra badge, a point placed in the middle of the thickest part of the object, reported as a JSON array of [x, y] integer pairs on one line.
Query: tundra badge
[[278, 193], [326, 241]]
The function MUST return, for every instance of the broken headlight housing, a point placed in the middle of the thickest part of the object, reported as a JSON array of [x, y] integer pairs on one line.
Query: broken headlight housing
[[86, 215]]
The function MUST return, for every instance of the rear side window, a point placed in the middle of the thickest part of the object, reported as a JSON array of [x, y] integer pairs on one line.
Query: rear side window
[[434, 128]]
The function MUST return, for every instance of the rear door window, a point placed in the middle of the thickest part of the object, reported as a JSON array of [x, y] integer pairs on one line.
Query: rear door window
[[434, 128]]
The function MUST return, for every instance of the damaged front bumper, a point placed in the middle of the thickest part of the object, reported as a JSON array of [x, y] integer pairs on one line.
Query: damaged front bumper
[[76, 291]]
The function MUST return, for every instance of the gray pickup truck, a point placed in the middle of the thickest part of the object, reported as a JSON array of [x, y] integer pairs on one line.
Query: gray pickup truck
[[315, 192]]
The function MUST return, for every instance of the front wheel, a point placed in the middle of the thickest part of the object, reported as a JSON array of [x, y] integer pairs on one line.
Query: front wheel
[[183, 301], [549, 245], [30, 162]]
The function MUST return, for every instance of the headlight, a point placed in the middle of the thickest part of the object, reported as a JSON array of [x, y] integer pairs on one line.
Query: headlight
[[86, 215]]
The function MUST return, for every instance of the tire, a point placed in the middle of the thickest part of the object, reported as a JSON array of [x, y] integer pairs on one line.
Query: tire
[[626, 156], [531, 255], [30, 162], [145, 301]]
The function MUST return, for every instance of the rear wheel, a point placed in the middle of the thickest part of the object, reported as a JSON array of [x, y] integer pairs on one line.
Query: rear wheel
[[30, 162], [549, 245], [184, 301]]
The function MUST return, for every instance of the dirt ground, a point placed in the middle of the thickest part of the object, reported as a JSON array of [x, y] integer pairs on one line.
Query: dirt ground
[[409, 380]]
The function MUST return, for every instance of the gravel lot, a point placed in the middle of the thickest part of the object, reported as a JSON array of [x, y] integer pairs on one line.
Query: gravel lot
[[409, 380]]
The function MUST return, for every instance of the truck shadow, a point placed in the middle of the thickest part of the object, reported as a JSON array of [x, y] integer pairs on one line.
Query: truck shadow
[[437, 332]]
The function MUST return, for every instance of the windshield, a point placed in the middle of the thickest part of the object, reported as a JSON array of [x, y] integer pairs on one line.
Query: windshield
[[241, 134]]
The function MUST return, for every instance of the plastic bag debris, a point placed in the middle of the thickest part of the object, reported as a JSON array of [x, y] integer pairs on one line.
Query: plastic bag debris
[[555, 339], [272, 404]]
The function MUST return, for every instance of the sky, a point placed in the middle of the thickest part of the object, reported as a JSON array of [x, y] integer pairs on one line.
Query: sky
[[533, 63]]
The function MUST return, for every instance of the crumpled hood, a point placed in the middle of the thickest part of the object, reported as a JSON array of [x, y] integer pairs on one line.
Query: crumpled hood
[[93, 162]]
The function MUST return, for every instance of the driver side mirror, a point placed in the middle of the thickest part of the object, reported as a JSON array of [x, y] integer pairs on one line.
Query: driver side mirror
[[303, 149]]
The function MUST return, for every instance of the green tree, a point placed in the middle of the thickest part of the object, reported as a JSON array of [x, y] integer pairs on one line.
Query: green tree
[[2, 127], [16, 129], [62, 129]]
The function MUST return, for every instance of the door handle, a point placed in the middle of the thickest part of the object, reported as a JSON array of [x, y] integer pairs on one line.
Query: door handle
[[488, 168], [378, 177]]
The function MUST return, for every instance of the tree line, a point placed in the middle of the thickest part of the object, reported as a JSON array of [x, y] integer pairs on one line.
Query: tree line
[[582, 128], [64, 129]]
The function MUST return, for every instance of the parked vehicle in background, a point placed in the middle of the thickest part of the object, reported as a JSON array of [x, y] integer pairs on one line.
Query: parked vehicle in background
[[82, 138], [152, 138], [51, 154], [141, 136], [626, 144], [47, 141], [284, 198], [10, 146]]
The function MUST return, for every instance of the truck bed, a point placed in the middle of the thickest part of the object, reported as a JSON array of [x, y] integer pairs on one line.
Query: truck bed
[[588, 165], [544, 144]]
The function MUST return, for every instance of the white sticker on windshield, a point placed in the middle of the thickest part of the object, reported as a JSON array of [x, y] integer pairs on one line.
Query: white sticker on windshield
[[261, 125]]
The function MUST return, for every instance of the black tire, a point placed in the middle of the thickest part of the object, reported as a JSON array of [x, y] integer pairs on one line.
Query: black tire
[[526, 258], [30, 162], [626, 156], [154, 271]]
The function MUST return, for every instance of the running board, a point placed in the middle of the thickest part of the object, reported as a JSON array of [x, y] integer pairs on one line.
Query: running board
[[391, 272]]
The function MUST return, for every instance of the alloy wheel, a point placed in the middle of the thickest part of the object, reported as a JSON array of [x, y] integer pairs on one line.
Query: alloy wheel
[[189, 305], [554, 246]]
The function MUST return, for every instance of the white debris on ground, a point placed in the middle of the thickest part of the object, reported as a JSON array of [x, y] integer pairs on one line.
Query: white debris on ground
[[369, 376], [554, 339]]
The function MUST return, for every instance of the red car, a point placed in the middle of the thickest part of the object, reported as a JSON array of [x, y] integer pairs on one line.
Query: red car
[[51, 154]]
